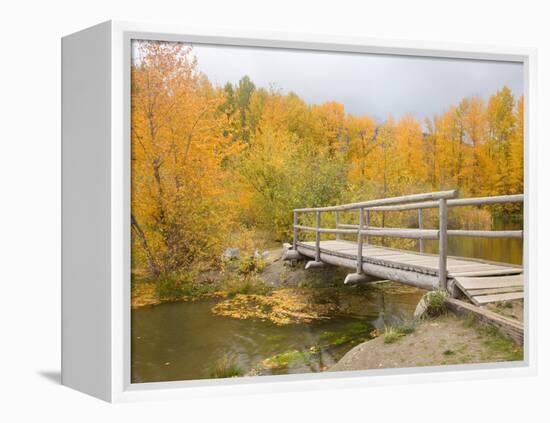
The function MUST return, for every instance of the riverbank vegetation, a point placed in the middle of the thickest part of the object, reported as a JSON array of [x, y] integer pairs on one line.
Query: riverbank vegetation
[[232, 278], [223, 166]]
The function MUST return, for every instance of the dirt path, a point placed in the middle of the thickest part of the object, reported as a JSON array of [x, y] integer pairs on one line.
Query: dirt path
[[445, 340]]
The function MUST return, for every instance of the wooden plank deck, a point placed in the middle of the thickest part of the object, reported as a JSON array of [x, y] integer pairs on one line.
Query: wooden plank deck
[[481, 281], [484, 290], [413, 261]]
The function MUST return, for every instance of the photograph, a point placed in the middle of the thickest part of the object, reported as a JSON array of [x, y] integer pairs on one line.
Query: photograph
[[299, 211], [291, 212]]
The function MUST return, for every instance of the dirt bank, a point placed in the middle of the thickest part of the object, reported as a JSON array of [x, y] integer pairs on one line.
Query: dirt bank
[[444, 340]]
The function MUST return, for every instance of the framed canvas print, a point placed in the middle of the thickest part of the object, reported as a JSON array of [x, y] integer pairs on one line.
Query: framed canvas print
[[247, 212]]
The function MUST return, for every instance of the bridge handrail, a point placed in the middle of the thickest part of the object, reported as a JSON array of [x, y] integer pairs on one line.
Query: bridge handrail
[[473, 201], [440, 199], [413, 198]]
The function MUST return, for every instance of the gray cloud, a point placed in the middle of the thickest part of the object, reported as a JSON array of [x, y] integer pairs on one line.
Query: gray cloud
[[377, 85]]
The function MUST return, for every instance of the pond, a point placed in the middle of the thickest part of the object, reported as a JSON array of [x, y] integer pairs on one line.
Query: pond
[[183, 341]]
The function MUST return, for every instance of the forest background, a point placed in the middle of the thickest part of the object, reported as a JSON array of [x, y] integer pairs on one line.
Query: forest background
[[223, 166]]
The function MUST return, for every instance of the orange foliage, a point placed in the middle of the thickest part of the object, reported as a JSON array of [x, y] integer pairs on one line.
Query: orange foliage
[[211, 162]]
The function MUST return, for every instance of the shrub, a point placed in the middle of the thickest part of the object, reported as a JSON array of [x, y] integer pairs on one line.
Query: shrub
[[174, 286], [250, 265], [171, 286]]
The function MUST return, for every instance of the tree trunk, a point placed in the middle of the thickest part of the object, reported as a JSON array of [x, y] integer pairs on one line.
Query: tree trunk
[[153, 266]]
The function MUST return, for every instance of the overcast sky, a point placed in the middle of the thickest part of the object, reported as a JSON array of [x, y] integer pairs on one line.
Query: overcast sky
[[366, 84]]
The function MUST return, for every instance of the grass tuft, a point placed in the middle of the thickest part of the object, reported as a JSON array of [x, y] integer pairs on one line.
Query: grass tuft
[[391, 335], [435, 303], [407, 327], [226, 367]]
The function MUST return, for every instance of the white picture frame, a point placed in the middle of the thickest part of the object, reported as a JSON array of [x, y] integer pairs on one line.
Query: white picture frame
[[96, 212]]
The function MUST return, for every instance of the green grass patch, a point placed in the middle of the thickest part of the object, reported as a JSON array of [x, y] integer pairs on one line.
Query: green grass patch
[[470, 320], [353, 332], [287, 359], [498, 346]]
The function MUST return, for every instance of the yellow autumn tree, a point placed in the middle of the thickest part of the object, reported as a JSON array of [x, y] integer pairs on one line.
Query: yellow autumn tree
[[178, 147], [361, 134], [516, 151]]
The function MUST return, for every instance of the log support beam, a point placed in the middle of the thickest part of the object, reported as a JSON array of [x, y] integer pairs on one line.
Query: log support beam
[[353, 278], [314, 264]]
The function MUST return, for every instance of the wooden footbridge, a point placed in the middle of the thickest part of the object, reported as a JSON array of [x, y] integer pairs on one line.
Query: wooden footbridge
[[480, 280]]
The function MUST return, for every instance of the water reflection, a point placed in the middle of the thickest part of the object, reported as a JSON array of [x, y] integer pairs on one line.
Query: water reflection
[[505, 250]]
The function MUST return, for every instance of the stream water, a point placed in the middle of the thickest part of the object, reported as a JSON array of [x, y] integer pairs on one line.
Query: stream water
[[181, 341]]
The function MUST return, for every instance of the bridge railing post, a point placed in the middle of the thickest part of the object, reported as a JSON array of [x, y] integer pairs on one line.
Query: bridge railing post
[[443, 244], [337, 224], [295, 227], [367, 223], [318, 237], [359, 268], [420, 226]]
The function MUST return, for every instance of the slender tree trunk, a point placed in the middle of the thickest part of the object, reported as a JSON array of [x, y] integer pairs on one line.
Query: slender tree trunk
[[153, 266]]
